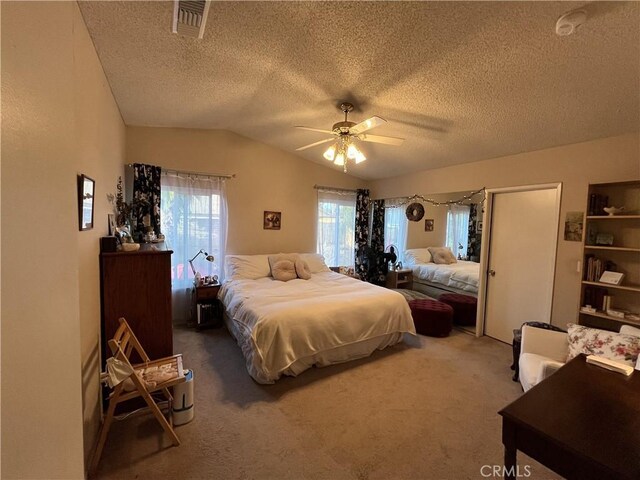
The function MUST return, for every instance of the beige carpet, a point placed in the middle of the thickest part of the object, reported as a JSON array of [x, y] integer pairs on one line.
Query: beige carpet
[[426, 409]]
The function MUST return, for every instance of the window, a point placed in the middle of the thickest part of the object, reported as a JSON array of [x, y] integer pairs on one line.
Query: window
[[458, 229], [336, 227], [395, 230], [193, 217]]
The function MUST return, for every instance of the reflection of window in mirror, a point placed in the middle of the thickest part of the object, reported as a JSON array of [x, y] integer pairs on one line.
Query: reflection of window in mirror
[[458, 230], [86, 194]]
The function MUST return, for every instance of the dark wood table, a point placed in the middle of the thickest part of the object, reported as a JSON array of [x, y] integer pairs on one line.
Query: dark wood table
[[583, 422]]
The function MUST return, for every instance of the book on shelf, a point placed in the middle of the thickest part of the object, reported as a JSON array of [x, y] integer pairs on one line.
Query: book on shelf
[[594, 296], [597, 203], [596, 267]]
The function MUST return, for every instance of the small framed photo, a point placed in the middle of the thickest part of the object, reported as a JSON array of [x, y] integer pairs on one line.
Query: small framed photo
[[479, 226], [428, 225], [612, 278], [272, 220], [111, 217]]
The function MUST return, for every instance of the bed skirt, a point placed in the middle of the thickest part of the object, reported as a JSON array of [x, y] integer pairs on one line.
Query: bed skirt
[[341, 354], [436, 289]]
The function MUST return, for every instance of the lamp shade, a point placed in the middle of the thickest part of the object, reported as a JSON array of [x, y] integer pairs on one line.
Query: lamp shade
[[330, 153]]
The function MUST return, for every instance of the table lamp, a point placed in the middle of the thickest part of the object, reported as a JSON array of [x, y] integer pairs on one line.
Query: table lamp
[[208, 258]]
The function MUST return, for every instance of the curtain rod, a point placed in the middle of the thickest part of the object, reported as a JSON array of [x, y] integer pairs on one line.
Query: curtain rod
[[334, 189], [185, 172]]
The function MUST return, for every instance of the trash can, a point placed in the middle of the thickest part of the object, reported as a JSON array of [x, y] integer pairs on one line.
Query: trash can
[[183, 400]]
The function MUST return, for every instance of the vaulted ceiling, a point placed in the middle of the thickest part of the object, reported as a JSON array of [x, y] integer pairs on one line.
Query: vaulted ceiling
[[461, 81]]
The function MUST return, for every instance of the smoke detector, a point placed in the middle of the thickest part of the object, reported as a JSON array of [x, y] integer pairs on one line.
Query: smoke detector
[[570, 21], [190, 17]]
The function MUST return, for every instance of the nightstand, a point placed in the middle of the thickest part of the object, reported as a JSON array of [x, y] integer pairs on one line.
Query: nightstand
[[400, 279], [207, 310]]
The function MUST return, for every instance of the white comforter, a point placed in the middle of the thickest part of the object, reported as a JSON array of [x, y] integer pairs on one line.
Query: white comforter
[[462, 275], [283, 322]]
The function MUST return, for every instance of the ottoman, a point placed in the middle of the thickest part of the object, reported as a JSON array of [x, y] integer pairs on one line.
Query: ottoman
[[431, 317], [464, 307]]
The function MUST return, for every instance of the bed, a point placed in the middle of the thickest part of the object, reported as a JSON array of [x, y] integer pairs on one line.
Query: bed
[[434, 279], [284, 328]]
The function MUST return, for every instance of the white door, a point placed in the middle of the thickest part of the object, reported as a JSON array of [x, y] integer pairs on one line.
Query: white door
[[522, 253]]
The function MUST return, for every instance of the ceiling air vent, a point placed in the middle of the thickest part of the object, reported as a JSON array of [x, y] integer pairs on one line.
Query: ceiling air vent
[[190, 18]]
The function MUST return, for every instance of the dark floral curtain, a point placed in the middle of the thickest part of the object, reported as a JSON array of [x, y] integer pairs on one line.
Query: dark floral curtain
[[362, 232], [377, 263], [473, 248], [146, 197]]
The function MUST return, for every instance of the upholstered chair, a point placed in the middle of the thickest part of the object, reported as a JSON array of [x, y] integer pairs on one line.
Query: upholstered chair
[[545, 351]]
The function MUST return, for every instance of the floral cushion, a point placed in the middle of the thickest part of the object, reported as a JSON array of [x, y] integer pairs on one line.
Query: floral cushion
[[614, 346]]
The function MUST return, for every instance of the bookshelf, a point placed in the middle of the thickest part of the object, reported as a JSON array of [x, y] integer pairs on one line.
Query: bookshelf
[[611, 243]]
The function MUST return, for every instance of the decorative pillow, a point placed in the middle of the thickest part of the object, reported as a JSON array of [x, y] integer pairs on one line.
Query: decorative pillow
[[614, 346], [315, 262], [302, 269], [249, 267], [442, 255], [273, 259], [417, 255], [629, 330], [284, 270]]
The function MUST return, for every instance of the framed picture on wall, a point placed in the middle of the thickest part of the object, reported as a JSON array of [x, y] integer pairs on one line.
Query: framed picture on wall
[[272, 220], [428, 224]]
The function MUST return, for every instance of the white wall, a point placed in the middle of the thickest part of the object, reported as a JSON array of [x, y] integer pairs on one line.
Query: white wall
[[58, 120], [267, 178], [604, 160]]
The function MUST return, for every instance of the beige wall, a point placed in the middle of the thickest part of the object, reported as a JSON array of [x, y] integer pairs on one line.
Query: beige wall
[[100, 153], [58, 119], [267, 178], [605, 160]]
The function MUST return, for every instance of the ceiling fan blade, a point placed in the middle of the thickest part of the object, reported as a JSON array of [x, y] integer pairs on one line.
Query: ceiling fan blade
[[368, 124], [381, 139], [314, 144], [314, 129]]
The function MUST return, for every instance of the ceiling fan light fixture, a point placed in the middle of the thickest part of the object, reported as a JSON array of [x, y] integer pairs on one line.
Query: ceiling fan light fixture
[[345, 150], [352, 152], [330, 153]]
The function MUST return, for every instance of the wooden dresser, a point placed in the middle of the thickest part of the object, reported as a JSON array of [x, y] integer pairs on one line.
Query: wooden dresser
[[137, 286]]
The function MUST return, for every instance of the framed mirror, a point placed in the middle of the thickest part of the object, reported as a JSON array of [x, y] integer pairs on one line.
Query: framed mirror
[[86, 194]]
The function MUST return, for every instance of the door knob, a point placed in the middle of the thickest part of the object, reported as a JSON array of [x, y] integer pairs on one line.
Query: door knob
[[492, 273]]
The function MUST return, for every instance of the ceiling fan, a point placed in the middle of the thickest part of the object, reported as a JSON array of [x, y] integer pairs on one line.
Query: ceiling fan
[[344, 133]]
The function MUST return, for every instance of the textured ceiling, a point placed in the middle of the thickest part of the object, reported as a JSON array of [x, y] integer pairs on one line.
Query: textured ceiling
[[461, 81]]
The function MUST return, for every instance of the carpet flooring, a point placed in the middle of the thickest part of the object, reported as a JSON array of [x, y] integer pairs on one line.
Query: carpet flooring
[[425, 409]]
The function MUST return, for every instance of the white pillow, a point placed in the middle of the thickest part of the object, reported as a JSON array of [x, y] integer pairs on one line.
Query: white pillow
[[629, 330], [417, 255], [250, 267], [315, 262]]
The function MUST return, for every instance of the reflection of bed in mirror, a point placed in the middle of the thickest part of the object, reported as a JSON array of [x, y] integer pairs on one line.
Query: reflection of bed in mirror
[[434, 279]]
